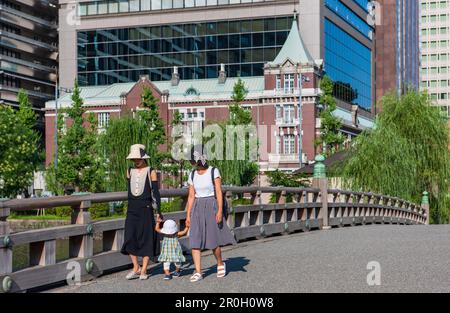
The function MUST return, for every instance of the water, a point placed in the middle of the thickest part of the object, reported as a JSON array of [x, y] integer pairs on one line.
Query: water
[[21, 257]]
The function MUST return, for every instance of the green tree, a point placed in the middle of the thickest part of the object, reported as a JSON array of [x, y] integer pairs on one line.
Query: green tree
[[405, 154], [238, 172], [295, 180], [147, 129], [80, 164], [19, 147], [330, 136]]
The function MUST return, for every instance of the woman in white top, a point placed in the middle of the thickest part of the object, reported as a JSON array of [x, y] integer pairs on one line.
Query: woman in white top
[[208, 228]]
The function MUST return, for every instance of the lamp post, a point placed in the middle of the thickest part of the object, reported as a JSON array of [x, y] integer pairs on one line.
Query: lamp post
[[300, 81]]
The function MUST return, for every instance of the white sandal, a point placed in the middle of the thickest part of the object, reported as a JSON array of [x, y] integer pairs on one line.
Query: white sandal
[[221, 271], [133, 275], [196, 277]]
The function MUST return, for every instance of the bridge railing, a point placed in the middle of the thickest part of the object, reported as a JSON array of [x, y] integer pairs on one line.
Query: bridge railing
[[307, 209]]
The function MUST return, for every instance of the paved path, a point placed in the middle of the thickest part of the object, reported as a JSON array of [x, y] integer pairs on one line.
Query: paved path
[[412, 259]]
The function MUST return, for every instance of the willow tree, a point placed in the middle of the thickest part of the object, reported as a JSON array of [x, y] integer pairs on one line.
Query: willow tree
[[145, 128], [405, 154], [237, 171]]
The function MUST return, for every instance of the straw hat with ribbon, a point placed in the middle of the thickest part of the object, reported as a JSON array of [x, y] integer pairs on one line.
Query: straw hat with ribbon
[[137, 152]]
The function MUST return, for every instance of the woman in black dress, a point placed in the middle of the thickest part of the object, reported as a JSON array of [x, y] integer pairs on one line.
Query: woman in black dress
[[141, 240]]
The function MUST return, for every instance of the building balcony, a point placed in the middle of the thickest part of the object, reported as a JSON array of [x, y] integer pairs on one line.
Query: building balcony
[[20, 42], [283, 158], [308, 92], [34, 94], [29, 17], [27, 64], [287, 122]]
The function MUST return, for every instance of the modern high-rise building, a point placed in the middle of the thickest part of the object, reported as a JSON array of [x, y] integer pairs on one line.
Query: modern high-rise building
[[28, 51], [397, 46], [435, 30], [105, 42]]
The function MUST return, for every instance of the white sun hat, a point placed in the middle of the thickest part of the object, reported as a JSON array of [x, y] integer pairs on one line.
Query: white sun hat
[[169, 228], [137, 152]]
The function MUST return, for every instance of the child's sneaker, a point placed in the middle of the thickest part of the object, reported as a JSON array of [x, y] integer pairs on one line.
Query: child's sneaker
[[177, 273], [167, 277]]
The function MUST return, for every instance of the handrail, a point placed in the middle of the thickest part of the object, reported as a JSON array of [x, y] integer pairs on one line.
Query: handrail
[[310, 209]]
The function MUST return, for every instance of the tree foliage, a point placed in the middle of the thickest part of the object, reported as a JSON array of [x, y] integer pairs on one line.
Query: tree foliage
[[146, 128], [330, 137], [19, 147], [405, 154], [80, 164], [237, 172]]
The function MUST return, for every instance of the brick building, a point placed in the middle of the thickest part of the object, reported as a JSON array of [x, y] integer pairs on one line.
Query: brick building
[[272, 98]]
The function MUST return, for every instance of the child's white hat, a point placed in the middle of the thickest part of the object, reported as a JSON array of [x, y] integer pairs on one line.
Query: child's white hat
[[169, 228]]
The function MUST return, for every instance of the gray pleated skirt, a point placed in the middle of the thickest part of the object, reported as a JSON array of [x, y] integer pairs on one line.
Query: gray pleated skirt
[[205, 233]]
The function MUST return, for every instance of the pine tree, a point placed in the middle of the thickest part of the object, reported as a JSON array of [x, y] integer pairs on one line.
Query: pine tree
[[330, 137], [79, 162]]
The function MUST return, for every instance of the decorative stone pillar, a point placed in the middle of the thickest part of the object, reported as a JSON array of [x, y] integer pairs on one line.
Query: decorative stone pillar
[[5, 249], [426, 206], [320, 181]]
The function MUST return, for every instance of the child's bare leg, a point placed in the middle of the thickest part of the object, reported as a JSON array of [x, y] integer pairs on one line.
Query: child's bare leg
[[178, 267], [166, 266]]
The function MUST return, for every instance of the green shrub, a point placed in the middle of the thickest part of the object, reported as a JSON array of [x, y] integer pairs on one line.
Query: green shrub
[[63, 211], [172, 206], [241, 201], [99, 210]]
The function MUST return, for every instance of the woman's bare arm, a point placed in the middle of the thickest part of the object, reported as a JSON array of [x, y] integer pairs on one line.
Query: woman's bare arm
[[155, 191], [189, 205], [219, 196]]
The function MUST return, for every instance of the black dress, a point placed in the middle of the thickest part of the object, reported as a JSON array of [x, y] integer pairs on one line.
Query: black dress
[[141, 239]]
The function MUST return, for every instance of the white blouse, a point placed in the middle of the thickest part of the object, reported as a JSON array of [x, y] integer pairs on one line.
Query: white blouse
[[203, 184]]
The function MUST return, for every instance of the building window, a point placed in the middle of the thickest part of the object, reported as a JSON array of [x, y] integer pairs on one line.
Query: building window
[[197, 49], [278, 82], [288, 114], [103, 120], [289, 144], [289, 83], [278, 112], [277, 145]]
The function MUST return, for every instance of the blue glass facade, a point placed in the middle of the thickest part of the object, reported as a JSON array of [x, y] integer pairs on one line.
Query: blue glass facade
[[407, 51], [349, 16], [108, 56], [349, 63]]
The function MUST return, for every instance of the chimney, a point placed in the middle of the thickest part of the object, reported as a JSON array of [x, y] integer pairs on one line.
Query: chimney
[[355, 115], [175, 76], [222, 74]]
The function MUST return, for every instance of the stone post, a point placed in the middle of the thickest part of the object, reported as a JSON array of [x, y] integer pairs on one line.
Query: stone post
[[426, 206], [320, 181], [81, 246], [5, 250]]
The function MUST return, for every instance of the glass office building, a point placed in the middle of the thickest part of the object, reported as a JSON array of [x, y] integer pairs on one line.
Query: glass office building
[[108, 56], [347, 60], [117, 41]]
